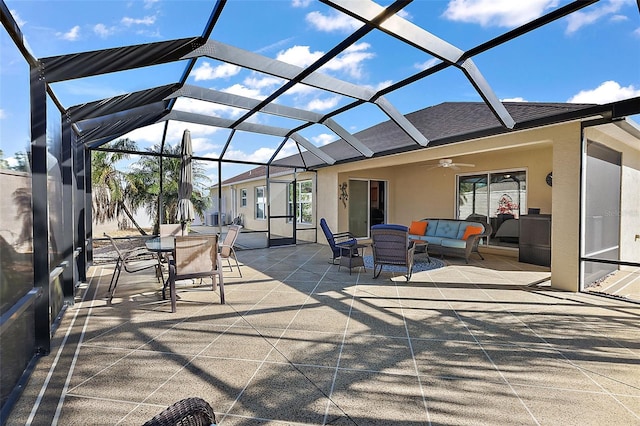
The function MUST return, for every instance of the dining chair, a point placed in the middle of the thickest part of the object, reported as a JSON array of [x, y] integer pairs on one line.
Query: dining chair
[[132, 261], [195, 256], [227, 251], [170, 229]]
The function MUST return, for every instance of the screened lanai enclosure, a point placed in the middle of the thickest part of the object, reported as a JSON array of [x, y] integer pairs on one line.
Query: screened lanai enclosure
[[283, 101]]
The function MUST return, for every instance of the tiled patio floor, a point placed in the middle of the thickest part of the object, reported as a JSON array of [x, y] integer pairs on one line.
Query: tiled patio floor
[[300, 342]]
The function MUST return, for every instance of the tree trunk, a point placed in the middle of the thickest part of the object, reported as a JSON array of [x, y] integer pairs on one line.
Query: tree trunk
[[126, 211]]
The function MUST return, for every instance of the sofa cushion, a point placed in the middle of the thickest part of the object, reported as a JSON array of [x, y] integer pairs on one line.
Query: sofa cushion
[[431, 227], [448, 229], [472, 230], [453, 243], [418, 227], [463, 227], [432, 240]]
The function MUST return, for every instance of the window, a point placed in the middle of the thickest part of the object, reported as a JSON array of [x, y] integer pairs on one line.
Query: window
[[261, 203], [243, 197], [493, 197], [304, 201]]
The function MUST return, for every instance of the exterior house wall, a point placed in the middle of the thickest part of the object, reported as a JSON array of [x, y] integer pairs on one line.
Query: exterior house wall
[[417, 191], [629, 209], [232, 194]]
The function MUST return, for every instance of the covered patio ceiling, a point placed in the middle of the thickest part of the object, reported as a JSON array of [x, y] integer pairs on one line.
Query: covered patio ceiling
[[287, 130]]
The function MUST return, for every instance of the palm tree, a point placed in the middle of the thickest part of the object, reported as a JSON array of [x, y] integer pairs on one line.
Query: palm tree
[[110, 185], [144, 184]]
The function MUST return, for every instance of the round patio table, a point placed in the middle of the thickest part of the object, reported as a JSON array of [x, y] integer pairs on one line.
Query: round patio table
[[161, 245]]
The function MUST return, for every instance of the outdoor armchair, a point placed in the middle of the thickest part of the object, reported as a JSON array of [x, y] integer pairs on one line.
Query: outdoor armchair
[[391, 246], [186, 412], [132, 261], [337, 241], [227, 251], [195, 256]]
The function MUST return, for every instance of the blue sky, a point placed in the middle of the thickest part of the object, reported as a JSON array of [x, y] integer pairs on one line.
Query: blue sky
[[590, 57]]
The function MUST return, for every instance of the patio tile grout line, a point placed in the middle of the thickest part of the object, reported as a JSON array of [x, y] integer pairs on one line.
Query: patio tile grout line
[[273, 345], [557, 350], [482, 348], [413, 355], [561, 353], [135, 350]]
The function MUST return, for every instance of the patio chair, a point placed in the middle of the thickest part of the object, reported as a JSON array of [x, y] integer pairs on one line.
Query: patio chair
[[337, 241], [170, 229], [195, 256], [391, 246], [227, 251], [132, 261], [186, 412]]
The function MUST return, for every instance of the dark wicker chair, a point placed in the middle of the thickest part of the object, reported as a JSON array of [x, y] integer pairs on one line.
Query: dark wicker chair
[[391, 246], [187, 412]]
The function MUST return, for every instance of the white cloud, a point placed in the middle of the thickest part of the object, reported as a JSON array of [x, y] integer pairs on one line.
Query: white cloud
[[207, 108], [261, 155], [103, 31], [323, 104], [3, 114], [516, 99], [426, 64], [323, 139], [335, 21], [351, 60], [242, 90], [636, 32], [207, 72], [609, 91], [300, 3], [21, 23], [148, 4], [72, 35], [382, 85], [147, 20], [299, 55], [591, 15], [502, 13], [268, 82], [404, 15]]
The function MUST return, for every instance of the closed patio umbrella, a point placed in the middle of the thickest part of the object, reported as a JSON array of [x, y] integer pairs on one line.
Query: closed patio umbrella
[[185, 185]]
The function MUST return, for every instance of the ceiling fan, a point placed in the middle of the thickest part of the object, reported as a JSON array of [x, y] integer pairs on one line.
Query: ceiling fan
[[448, 163]]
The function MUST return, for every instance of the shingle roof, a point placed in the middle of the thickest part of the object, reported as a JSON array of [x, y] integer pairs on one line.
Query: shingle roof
[[445, 123], [258, 172]]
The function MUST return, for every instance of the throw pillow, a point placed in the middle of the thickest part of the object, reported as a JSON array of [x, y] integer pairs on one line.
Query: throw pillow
[[472, 230], [418, 227]]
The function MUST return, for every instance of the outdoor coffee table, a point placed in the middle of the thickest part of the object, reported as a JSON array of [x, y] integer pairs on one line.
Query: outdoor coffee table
[[352, 257], [423, 246]]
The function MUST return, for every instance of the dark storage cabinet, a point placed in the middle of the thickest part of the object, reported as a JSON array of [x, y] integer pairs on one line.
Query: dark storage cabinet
[[535, 239]]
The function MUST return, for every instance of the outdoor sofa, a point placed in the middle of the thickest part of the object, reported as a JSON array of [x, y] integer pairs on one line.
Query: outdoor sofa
[[450, 236]]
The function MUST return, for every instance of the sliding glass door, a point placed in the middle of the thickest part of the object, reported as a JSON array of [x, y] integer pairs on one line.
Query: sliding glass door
[[498, 198]]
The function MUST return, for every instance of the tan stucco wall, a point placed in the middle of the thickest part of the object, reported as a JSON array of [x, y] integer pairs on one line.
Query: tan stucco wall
[[416, 191], [565, 230]]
